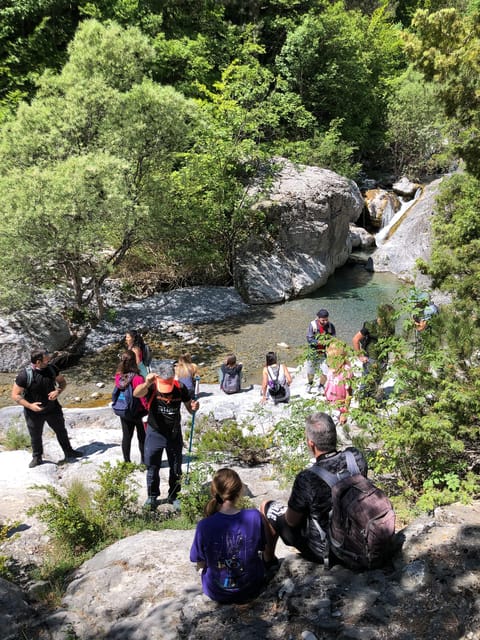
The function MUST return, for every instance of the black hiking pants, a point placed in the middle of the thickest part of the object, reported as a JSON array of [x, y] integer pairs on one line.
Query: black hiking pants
[[155, 444], [55, 421], [128, 429]]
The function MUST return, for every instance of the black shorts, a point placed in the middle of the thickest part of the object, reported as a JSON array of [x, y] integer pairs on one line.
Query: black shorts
[[293, 537]]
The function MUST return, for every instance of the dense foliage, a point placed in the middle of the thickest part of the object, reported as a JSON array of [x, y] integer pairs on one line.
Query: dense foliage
[[131, 141]]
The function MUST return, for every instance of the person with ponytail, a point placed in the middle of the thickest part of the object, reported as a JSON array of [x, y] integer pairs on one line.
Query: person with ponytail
[[229, 542]]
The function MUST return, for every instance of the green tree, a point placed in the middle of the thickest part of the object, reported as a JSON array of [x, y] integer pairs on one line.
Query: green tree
[[416, 134], [241, 116], [454, 265], [338, 61], [33, 36], [83, 165], [425, 432], [445, 47], [326, 149]]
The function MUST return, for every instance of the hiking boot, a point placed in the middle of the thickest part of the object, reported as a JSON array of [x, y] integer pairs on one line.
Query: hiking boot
[[36, 461], [73, 453], [150, 503]]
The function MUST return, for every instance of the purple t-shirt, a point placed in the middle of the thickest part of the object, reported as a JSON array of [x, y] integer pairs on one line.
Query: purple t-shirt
[[229, 544]]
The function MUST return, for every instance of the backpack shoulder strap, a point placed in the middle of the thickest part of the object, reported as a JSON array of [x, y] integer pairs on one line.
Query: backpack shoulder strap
[[352, 465], [272, 377], [332, 478], [270, 374], [29, 372]]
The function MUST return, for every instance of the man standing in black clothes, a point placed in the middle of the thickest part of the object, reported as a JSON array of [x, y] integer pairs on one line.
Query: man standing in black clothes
[[36, 389], [164, 397]]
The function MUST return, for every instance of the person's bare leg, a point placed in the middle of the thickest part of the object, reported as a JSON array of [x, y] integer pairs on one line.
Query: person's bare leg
[[270, 534]]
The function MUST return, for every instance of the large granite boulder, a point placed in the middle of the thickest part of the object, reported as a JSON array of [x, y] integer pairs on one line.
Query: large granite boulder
[[305, 237], [27, 330]]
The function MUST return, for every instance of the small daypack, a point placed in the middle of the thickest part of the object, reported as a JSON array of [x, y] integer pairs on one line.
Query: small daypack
[[361, 528], [124, 403], [274, 386], [231, 381]]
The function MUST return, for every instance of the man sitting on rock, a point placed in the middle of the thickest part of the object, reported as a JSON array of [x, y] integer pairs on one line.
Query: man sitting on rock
[[36, 389], [311, 497]]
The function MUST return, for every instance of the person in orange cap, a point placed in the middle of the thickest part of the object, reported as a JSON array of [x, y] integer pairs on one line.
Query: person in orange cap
[[164, 400]]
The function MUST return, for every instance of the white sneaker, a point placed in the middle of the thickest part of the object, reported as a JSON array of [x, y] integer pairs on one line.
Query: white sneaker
[[308, 387]]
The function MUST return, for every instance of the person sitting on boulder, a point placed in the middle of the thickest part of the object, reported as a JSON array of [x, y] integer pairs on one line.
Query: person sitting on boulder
[[276, 380], [228, 543], [230, 374], [311, 497]]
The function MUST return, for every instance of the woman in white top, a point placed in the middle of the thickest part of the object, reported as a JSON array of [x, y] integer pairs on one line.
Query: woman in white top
[[276, 380]]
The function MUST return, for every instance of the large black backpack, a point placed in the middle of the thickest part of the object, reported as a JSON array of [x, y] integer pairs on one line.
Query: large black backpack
[[361, 527]]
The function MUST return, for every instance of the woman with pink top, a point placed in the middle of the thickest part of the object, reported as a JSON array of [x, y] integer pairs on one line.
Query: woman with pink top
[[128, 373], [338, 389]]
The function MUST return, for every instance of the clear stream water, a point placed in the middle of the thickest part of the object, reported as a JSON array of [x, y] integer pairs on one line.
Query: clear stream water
[[351, 295]]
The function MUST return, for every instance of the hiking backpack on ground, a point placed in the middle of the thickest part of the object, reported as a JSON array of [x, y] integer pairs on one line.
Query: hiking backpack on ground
[[361, 526], [124, 403]]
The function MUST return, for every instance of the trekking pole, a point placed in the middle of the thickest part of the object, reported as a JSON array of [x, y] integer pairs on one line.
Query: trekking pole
[[195, 396]]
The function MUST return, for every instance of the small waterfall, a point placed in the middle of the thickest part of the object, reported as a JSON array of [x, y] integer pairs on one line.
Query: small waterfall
[[390, 224]]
